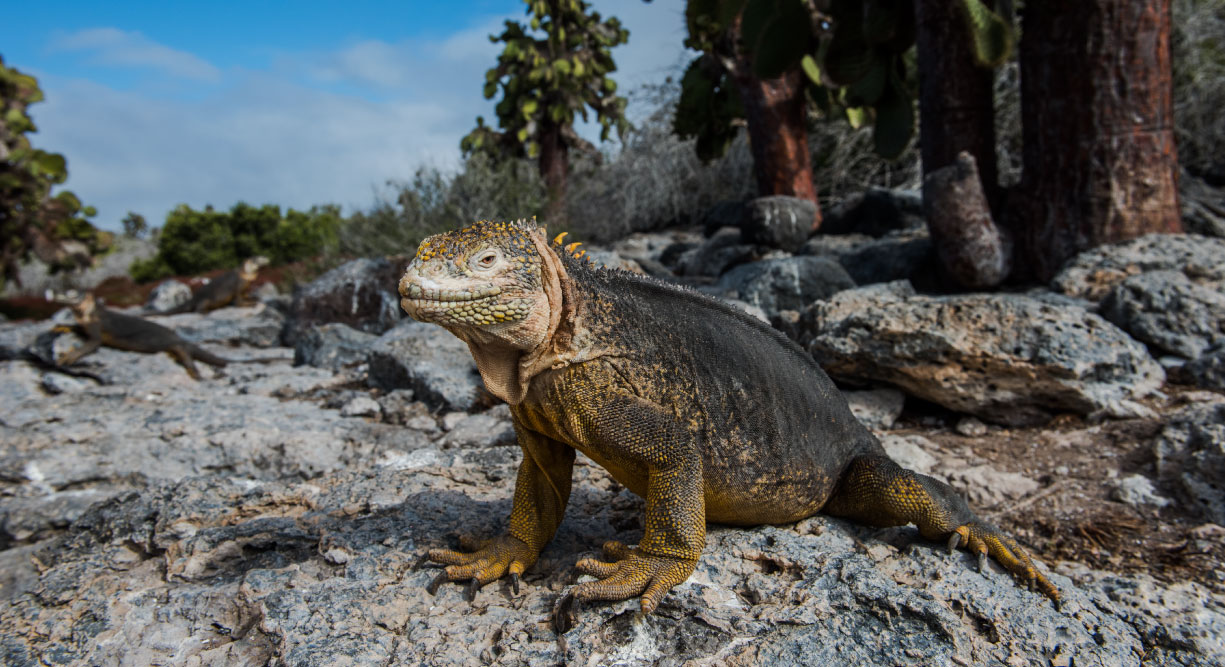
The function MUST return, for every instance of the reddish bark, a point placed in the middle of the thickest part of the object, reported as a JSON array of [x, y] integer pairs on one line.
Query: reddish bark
[[775, 112], [1097, 114], [955, 94], [554, 165]]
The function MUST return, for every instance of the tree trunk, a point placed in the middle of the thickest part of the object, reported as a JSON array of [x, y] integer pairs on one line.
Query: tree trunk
[[775, 111], [554, 165], [1097, 115], [955, 94]]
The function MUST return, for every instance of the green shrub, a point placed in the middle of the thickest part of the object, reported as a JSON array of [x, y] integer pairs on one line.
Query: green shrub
[[194, 241], [434, 201]]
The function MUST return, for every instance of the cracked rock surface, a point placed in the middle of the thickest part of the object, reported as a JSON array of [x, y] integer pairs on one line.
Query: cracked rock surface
[[239, 520]]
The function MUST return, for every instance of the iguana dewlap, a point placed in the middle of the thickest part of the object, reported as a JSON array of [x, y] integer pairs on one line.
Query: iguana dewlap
[[704, 411]]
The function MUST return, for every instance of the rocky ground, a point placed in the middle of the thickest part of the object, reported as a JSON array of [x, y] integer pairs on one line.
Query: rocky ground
[[272, 513]]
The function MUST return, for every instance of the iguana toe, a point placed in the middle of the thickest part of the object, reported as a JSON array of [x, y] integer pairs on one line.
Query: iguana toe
[[986, 540], [496, 558], [631, 573]]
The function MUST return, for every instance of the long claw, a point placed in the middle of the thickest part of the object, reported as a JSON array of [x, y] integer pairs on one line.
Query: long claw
[[438, 581], [954, 540], [514, 583], [421, 561], [474, 585], [982, 561]]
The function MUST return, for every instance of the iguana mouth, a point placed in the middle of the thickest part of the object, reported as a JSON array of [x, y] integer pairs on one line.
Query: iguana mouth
[[418, 293]]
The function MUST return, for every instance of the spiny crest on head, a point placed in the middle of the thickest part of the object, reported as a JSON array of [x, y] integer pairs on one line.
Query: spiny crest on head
[[513, 236], [571, 248]]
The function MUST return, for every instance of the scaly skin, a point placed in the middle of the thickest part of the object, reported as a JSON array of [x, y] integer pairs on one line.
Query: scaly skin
[[226, 289], [707, 413], [99, 326]]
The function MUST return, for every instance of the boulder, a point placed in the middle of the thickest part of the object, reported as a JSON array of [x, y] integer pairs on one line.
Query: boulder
[[716, 255], [361, 293], [875, 212], [427, 359], [1093, 273], [168, 294], [778, 221], [728, 213], [258, 325], [1190, 456], [319, 572], [1005, 358], [1207, 371], [903, 255], [790, 283], [1168, 312], [332, 346], [877, 409]]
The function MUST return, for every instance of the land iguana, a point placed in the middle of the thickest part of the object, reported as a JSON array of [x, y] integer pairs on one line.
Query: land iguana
[[227, 288], [706, 412], [99, 326]]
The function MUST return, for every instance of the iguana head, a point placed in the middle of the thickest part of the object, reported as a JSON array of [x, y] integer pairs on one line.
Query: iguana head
[[86, 310], [489, 282], [252, 265]]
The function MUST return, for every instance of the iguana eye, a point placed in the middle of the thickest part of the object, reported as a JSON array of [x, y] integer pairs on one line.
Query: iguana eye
[[486, 260]]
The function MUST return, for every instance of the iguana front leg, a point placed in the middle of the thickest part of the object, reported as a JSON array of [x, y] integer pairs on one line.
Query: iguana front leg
[[542, 490], [633, 434], [71, 356]]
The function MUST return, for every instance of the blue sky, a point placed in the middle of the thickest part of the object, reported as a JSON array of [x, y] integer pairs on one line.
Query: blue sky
[[296, 103]]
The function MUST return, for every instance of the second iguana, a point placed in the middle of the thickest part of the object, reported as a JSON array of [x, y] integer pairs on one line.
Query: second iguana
[[704, 411], [226, 289], [100, 326]]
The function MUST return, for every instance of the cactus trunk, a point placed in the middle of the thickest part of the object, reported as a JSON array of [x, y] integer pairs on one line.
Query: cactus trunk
[[554, 166], [1097, 115], [955, 109], [774, 110]]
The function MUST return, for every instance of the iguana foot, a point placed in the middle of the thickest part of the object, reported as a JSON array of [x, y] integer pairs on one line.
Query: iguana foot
[[489, 561], [628, 572], [986, 540]]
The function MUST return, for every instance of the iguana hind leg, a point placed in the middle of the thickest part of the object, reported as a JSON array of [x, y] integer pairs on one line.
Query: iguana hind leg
[[877, 491], [183, 356]]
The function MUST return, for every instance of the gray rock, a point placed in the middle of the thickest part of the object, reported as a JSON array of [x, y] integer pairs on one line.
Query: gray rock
[[361, 294], [1207, 371], [168, 294], [58, 383], [21, 383], [791, 283], [257, 325], [904, 255], [319, 572], [982, 483], [16, 338], [719, 253], [361, 406], [1093, 273], [1138, 490], [491, 428], [427, 359], [1203, 206], [971, 427], [1168, 312], [778, 221], [878, 409], [875, 212], [1004, 358], [332, 346], [1190, 455], [724, 214], [399, 407]]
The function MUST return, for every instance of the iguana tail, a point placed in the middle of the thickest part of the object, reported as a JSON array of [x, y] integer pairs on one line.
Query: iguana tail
[[207, 357]]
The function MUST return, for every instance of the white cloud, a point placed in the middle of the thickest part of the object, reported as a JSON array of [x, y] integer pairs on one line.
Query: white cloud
[[310, 128], [111, 46]]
